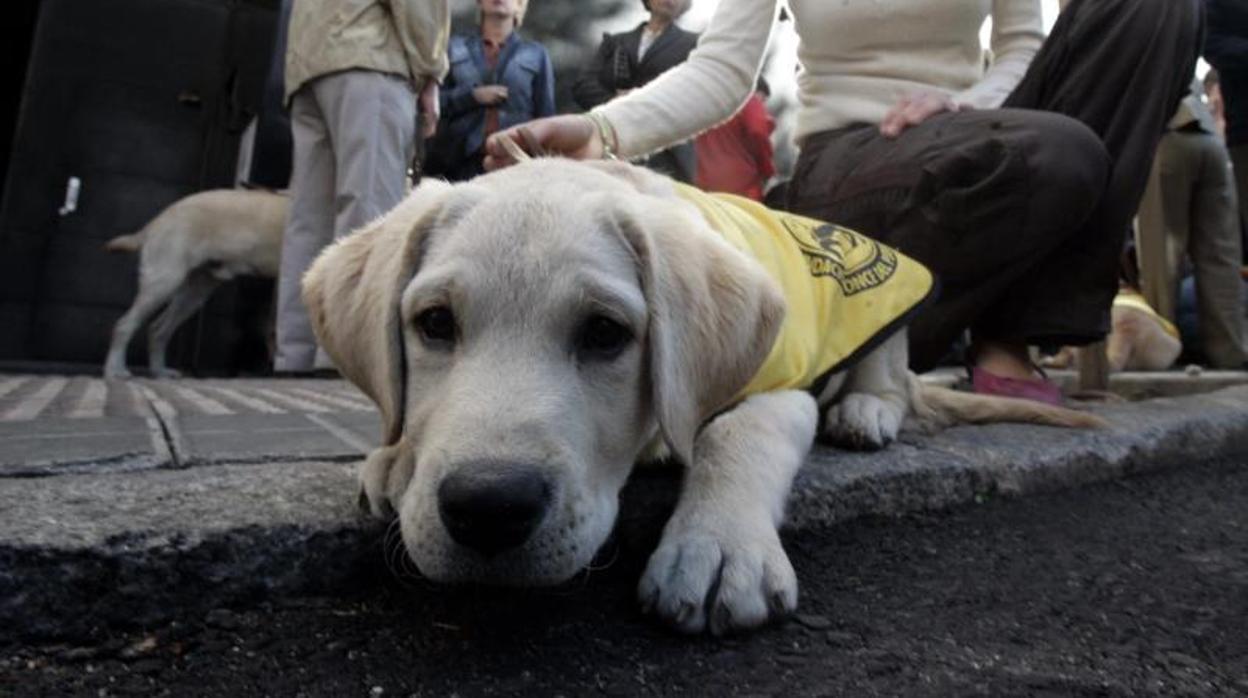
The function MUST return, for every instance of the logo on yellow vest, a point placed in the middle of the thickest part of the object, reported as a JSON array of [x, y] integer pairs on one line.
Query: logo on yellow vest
[[855, 262]]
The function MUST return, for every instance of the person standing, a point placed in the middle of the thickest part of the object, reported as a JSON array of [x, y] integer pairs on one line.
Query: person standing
[[354, 72], [1226, 49], [1190, 208], [497, 79], [629, 60]]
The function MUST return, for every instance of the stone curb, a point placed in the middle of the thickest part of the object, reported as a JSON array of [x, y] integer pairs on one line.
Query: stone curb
[[128, 549]]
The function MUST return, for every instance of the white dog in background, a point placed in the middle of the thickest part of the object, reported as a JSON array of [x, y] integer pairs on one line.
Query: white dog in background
[[185, 252], [528, 334]]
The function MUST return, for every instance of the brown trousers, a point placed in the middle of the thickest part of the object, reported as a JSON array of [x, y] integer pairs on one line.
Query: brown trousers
[[1020, 211]]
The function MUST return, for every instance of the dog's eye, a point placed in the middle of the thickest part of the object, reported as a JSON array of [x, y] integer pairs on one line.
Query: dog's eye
[[437, 325], [602, 337]]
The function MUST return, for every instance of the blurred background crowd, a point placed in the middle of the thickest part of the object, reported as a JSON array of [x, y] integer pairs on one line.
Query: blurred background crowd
[[127, 106]]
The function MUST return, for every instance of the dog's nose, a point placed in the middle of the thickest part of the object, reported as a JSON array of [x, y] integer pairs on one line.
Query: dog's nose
[[493, 506]]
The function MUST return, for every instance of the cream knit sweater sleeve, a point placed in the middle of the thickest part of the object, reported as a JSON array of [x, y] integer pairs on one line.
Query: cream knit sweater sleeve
[[859, 57], [703, 91], [1016, 38]]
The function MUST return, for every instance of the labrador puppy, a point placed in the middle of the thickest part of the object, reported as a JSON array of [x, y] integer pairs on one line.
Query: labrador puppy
[[526, 335], [188, 250], [1139, 339]]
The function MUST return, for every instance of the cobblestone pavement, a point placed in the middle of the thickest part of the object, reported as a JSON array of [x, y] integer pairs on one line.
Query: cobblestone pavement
[[51, 424]]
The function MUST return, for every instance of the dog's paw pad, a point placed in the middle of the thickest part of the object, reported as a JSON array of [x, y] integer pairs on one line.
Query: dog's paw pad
[[718, 582], [863, 421]]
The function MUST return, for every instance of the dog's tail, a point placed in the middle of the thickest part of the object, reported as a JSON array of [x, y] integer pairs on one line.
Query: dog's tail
[[127, 243], [937, 407]]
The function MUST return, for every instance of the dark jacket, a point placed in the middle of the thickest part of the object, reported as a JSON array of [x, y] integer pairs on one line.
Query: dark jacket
[[615, 67], [523, 67], [1226, 49]]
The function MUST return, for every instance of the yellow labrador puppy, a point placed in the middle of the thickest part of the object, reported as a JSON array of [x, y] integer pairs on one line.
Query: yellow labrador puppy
[[527, 334], [185, 252]]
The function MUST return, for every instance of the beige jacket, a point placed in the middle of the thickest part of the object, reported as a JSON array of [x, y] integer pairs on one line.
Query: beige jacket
[[401, 37]]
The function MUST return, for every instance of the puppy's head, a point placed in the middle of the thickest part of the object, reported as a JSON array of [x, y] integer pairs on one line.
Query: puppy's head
[[525, 335]]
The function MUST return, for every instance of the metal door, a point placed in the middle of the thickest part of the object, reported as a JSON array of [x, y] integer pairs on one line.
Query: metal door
[[141, 102]]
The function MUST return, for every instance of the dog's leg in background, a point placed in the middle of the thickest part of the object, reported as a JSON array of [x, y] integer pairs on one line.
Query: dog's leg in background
[[189, 298], [154, 291], [720, 562], [873, 400]]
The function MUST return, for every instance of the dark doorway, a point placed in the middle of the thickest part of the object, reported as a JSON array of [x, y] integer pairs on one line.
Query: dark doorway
[[143, 101]]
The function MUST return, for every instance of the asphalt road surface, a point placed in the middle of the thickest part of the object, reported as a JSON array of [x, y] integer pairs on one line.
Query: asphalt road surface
[[1138, 587]]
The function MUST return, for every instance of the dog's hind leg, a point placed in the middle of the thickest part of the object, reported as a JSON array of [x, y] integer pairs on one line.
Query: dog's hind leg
[[154, 291], [720, 563], [186, 301], [873, 400]]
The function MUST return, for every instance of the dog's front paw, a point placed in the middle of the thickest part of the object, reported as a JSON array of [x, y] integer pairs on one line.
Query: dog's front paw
[[722, 577], [383, 479], [863, 421], [166, 373]]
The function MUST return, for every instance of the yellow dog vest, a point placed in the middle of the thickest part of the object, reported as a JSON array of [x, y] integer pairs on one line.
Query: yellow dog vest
[[845, 292], [1132, 299]]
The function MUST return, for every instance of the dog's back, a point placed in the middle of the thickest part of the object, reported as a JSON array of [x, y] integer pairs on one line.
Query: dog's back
[[232, 227]]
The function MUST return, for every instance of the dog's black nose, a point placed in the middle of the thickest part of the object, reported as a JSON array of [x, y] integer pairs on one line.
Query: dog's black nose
[[493, 506]]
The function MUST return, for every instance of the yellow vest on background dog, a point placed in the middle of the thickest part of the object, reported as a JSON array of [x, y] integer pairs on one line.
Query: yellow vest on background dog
[[1129, 298], [845, 292]]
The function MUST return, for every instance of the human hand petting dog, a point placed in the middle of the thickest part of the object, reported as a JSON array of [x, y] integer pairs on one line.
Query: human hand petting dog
[[571, 136]]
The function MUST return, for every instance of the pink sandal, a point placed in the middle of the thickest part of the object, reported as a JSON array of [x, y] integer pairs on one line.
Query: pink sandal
[[1038, 389]]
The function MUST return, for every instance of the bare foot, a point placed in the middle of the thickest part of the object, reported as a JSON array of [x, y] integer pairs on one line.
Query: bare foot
[[1004, 359]]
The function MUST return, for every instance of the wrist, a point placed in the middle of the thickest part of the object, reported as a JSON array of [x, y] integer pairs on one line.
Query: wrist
[[606, 135]]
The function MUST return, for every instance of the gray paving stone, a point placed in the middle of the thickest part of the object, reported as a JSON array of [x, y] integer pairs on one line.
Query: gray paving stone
[[59, 445], [56, 425], [275, 437]]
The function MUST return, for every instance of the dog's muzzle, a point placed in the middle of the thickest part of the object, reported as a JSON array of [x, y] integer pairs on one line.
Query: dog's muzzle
[[493, 506]]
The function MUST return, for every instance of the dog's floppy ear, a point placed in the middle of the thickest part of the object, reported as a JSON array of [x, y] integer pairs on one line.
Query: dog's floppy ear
[[352, 294], [714, 316]]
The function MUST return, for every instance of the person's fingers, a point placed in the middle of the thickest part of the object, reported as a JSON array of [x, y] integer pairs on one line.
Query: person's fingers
[[499, 146], [429, 109], [891, 124], [570, 136], [914, 110], [531, 144], [918, 111]]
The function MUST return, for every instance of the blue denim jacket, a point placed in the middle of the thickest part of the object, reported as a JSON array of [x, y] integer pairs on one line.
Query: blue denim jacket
[[523, 67]]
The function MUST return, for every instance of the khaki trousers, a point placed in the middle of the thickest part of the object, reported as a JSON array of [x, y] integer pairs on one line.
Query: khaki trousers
[[1190, 208], [353, 132]]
